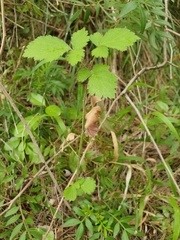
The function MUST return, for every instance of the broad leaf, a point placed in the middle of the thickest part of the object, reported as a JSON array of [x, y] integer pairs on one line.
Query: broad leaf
[[83, 74], [119, 38], [96, 38], [79, 39], [101, 51], [89, 185], [37, 99], [70, 193], [75, 56], [102, 83], [53, 110], [46, 48]]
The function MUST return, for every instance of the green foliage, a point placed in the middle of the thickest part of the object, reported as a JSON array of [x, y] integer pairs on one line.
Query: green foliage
[[83, 185], [101, 82]]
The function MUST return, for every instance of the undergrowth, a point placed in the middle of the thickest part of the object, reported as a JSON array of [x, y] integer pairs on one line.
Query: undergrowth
[[90, 127]]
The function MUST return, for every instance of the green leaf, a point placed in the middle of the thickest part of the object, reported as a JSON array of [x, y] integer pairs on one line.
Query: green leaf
[[102, 83], [50, 236], [168, 123], [71, 222], [79, 231], [70, 193], [16, 230], [96, 38], [11, 144], [75, 56], [19, 183], [13, 219], [89, 225], [125, 235], [119, 38], [83, 74], [79, 39], [53, 110], [32, 122], [176, 216], [23, 236], [12, 211], [46, 48], [88, 185], [116, 230], [101, 51], [130, 6], [37, 99], [76, 15]]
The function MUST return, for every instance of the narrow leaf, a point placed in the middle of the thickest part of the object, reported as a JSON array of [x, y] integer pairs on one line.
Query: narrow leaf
[[71, 222], [79, 231], [12, 211], [130, 6], [16, 230]]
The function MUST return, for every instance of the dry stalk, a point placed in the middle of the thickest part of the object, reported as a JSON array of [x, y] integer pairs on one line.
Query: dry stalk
[[3, 28]]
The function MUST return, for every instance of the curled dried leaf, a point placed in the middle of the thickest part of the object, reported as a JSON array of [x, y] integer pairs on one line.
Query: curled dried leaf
[[94, 100], [92, 118]]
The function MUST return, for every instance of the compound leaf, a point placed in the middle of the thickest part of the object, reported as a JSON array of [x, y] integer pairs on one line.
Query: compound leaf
[[46, 48], [102, 83], [89, 185], [79, 39], [119, 38]]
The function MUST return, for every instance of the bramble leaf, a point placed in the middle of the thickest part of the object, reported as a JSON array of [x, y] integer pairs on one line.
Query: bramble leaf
[[46, 48], [119, 38], [89, 185], [75, 56], [101, 51], [70, 193], [102, 83], [79, 39], [83, 74], [96, 38]]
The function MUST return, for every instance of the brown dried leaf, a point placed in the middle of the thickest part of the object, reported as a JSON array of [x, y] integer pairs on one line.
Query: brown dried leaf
[[92, 118], [94, 100]]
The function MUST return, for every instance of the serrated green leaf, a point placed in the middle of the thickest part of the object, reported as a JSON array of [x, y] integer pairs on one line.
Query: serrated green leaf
[[79, 231], [71, 222], [101, 51], [79, 39], [96, 38], [89, 185], [37, 99], [12, 211], [16, 230], [102, 83], [130, 6], [70, 193], [46, 48], [75, 56], [83, 74], [53, 110], [119, 38]]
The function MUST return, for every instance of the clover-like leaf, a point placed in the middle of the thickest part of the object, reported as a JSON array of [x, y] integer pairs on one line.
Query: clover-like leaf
[[102, 83], [46, 48]]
